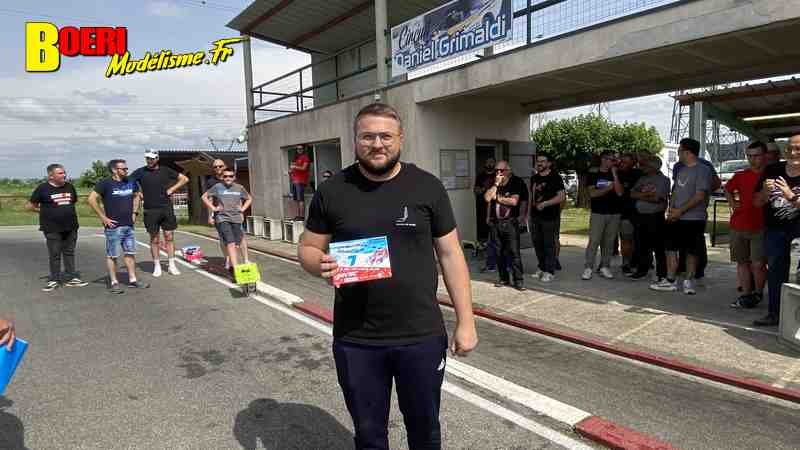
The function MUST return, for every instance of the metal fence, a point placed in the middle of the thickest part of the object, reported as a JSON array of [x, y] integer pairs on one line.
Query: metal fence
[[535, 21]]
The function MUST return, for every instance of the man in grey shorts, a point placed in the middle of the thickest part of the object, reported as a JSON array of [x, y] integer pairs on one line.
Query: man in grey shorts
[[225, 199]]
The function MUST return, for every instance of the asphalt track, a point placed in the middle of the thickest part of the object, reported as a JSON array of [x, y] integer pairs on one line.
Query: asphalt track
[[190, 363]]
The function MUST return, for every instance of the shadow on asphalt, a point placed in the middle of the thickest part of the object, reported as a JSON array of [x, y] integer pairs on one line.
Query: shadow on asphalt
[[12, 431], [284, 426]]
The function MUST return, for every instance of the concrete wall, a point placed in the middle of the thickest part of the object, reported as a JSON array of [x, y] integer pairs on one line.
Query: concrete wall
[[348, 62], [430, 128]]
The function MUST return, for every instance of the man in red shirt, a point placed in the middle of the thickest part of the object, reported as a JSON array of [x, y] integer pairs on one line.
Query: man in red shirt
[[299, 172], [747, 228]]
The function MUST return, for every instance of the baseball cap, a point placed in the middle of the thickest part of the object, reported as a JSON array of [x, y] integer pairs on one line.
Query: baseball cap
[[151, 154]]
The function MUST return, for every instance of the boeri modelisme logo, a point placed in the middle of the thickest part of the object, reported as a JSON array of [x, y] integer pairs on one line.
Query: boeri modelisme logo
[[45, 44]]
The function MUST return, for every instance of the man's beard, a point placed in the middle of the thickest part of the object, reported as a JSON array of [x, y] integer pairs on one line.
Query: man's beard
[[123, 178], [380, 170]]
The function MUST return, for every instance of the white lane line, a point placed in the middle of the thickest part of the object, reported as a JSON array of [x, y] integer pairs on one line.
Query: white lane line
[[533, 400], [638, 328], [463, 371], [523, 422]]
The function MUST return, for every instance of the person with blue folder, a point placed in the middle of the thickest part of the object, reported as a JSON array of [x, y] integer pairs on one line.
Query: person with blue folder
[[11, 355]]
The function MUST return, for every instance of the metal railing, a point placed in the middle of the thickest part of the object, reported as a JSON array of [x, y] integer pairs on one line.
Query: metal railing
[[352, 72]]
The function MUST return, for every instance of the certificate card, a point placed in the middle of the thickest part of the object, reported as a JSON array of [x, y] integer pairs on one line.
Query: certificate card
[[361, 260]]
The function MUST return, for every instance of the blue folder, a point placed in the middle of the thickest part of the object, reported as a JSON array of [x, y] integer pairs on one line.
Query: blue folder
[[9, 360]]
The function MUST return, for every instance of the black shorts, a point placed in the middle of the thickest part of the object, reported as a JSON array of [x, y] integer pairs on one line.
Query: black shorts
[[687, 235], [160, 219], [230, 233]]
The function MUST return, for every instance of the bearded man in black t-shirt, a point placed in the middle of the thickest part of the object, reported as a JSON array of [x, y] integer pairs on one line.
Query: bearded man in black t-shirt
[[391, 328], [55, 201], [547, 195]]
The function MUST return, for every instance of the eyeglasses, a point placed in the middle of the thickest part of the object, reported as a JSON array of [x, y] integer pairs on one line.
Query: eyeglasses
[[219, 167], [369, 138], [227, 176], [122, 168]]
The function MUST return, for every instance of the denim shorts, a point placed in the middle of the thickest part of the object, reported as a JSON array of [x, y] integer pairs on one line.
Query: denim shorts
[[117, 237]]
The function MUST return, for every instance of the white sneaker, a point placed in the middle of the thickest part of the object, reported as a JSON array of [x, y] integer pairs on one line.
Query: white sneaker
[[157, 269], [173, 270], [227, 263], [587, 274], [664, 286], [546, 277], [688, 287], [537, 274], [606, 273]]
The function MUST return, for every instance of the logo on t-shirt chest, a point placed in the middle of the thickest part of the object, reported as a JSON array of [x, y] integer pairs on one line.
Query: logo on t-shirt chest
[[405, 219], [62, 199]]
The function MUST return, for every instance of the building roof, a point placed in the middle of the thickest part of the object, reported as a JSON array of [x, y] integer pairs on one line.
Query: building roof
[[222, 148], [773, 98], [322, 26]]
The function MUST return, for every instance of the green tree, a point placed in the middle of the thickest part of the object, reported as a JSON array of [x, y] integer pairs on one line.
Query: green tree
[[93, 174], [574, 144]]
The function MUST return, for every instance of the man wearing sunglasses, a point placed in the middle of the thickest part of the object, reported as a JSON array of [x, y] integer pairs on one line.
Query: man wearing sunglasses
[[605, 190], [227, 200], [157, 184], [120, 201], [218, 166]]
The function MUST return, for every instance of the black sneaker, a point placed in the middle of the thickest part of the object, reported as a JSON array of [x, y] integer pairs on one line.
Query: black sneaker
[[757, 297], [519, 287], [770, 320], [138, 284], [76, 282], [115, 289], [627, 270], [50, 286], [638, 275], [743, 302]]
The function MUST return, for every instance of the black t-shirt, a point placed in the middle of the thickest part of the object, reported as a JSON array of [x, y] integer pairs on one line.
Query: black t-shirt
[[210, 182], [546, 187], [628, 179], [608, 203], [778, 210], [57, 207], [411, 210], [154, 185], [118, 199], [515, 186]]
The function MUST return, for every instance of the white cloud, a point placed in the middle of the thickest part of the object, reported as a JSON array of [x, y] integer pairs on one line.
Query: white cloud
[[164, 9]]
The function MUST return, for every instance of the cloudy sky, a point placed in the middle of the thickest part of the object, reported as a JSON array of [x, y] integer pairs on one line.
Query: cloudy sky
[[76, 115]]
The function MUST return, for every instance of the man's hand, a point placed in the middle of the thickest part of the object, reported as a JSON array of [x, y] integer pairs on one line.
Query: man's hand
[[784, 187], [770, 184], [218, 208], [673, 215], [211, 221], [108, 222], [7, 334], [328, 268], [465, 339], [540, 206]]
